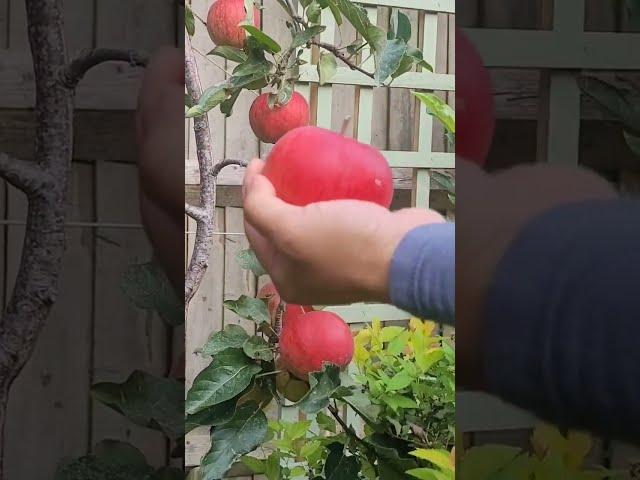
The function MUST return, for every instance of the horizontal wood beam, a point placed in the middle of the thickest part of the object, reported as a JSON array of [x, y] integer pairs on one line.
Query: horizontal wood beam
[[441, 6], [410, 80], [505, 48], [98, 135], [110, 86]]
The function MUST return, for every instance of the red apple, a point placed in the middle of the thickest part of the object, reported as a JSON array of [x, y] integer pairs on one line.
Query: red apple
[[270, 124], [310, 164], [310, 340], [223, 22], [475, 120]]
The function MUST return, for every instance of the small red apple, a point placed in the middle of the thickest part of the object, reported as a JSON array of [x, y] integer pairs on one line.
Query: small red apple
[[310, 164], [270, 293], [223, 20], [270, 124], [310, 340], [475, 120]]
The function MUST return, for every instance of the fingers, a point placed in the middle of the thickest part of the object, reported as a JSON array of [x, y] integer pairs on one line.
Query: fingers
[[263, 210]]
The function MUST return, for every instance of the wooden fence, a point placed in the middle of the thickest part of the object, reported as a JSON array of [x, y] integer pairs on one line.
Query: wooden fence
[[536, 50], [94, 334], [389, 118]]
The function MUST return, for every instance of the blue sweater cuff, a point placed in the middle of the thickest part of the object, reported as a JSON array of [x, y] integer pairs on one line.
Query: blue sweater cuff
[[562, 319], [422, 274]]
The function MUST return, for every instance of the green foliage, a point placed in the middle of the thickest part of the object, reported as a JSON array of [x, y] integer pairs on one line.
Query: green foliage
[[263, 62], [146, 400], [621, 103], [239, 436], [553, 455], [410, 375], [229, 374], [247, 260], [250, 308], [147, 287], [114, 460]]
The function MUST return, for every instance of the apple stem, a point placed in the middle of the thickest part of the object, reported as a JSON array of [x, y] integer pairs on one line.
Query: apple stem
[[345, 125]]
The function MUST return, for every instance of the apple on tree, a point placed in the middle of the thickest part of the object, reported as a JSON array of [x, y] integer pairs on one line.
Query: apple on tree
[[270, 121], [269, 293], [224, 19], [310, 340]]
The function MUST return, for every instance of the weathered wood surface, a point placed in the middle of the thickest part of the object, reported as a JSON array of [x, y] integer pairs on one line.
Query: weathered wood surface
[[93, 333]]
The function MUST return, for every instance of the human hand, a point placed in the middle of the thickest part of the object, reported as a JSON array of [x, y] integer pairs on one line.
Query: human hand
[[492, 209], [160, 138], [334, 252]]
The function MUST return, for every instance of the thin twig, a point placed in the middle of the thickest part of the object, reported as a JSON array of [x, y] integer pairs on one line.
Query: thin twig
[[72, 73], [194, 212], [217, 168], [333, 49]]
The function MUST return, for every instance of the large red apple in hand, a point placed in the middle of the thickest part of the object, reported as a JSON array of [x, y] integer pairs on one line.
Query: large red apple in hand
[[271, 124], [310, 165], [224, 19], [310, 340], [475, 120]]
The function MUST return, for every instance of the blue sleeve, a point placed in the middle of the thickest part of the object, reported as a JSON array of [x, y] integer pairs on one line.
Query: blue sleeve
[[422, 275], [563, 319]]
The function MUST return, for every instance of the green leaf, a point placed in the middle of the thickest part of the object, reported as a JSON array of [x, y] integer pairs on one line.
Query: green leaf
[[305, 36], [211, 98], [339, 465], [297, 472], [399, 401], [427, 359], [439, 109], [430, 474], [326, 422], [357, 16], [620, 103], [189, 20], [226, 107], [233, 336], [241, 435], [273, 470], [309, 449], [327, 67], [440, 458], [248, 261], [284, 94], [230, 53], [148, 287], [314, 12], [397, 345], [212, 416], [336, 12], [148, 401], [250, 308], [633, 141], [392, 462], [399, 381], [389, 333], [256, 465], [322, 385], [487, 460], [113, 460], [268, 43], [228, 375], [257, 348], [400, 26], [388, 61], [297, 430]]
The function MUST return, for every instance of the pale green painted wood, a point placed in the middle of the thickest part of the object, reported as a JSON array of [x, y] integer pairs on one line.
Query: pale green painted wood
[[444, 6], [546, 49], [411, 80], [367, 312], [422, 178], [325, 92], [563, 134], [365, 101]]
